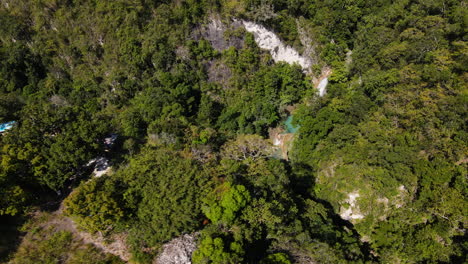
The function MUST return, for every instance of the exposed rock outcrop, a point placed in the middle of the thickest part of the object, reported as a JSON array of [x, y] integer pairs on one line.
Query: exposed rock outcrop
[[218, 72], [101, 166], [178, 251], [214, 32], [281, 142], [279, 51], [220, 36], [322, 86], [352, 211]]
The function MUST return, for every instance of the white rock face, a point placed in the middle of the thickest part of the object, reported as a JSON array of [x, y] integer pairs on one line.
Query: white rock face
[[399, 201], [322, 86], [268, 40], [214, 33], [277, 141], [178, 251], [352, 213], [110, 141], [101, 166]]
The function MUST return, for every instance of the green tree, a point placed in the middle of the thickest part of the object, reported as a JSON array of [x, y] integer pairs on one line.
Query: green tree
[[247, 147], [165, 191], [96, 205], [217, 250], [225, 202], [277, 258]]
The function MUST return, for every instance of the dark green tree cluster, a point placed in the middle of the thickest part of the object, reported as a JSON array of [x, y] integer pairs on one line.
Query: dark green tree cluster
[[394, 126]]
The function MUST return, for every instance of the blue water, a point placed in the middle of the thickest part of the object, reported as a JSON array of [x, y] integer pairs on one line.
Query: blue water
[[5, 126], [290, 128]]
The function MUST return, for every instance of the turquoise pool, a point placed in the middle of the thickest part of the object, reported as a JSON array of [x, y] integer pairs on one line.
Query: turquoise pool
[[290, 128], [5, 126]]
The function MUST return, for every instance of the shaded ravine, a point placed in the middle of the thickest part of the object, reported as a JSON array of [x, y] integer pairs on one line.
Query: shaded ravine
[[282, 139]]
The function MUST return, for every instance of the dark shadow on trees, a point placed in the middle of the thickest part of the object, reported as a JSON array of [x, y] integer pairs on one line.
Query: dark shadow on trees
[[11, 236]]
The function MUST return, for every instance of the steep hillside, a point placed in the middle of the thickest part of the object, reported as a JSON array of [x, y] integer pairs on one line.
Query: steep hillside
[[234, 131]]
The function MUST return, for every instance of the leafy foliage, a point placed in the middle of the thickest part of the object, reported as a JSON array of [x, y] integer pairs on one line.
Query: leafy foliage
[[164, 191], [192, 120], [225, 202], [96, 204], [215, 250]]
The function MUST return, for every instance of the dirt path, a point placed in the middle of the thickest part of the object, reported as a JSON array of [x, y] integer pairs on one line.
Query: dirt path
[[115, 244]]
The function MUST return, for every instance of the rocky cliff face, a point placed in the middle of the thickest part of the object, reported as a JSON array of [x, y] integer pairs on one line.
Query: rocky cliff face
[[279, 51], [178, 251], [216, 33]]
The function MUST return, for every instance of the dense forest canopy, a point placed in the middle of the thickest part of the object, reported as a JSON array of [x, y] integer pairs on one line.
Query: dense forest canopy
[[189, 111]]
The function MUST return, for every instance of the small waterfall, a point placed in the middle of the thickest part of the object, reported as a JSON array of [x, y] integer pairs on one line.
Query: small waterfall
[[322, 85]]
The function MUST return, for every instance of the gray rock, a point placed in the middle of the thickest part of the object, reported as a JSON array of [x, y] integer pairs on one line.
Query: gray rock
[[178, 251]]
